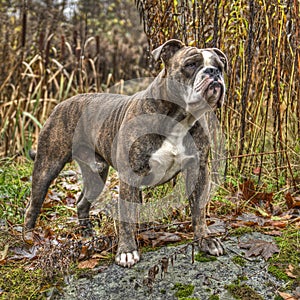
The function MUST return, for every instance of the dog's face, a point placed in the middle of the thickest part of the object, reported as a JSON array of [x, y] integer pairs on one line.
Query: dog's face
[[200, 71]]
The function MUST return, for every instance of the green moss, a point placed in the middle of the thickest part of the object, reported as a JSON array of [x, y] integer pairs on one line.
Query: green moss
[[289, 244], [14, 189], [241, 231], [239, 261], [19, 283], [242, 278], [183, 290], [203, 257], [214, 297], [243, 292], [279, 274], [289, 254]]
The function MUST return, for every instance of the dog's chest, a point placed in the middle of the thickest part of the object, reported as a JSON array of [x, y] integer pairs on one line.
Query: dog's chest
[[171, 157]]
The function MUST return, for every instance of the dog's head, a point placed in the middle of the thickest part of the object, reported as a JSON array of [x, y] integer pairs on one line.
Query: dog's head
[[200, 71]]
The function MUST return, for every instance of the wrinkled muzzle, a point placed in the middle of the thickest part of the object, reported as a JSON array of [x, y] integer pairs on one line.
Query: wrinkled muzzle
[[208, 91]]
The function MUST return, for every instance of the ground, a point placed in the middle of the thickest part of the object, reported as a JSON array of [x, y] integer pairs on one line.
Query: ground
[[221, 278], [60, 263]]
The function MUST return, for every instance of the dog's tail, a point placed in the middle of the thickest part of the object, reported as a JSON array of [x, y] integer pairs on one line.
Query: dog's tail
[[32, 154]]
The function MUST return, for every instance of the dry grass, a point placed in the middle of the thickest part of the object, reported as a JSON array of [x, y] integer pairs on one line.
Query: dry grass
[[261, 118]]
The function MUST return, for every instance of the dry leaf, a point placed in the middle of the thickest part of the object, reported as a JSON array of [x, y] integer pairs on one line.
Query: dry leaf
[[24, 252], [84, 253], [276, 224], [292, 202], [159, 238], [289, 271], [217, 226], [251, 219], [88, 264], [3, 253], [274, 233], [256, 198], [259, 247], [287, 296], [289, 200], [165, 238], [100, 256]]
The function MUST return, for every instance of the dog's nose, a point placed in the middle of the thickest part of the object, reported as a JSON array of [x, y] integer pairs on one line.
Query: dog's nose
[[212, 72]]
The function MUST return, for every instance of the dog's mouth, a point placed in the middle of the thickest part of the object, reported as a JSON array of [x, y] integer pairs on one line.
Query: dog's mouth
[[207, 94], [214, 92]]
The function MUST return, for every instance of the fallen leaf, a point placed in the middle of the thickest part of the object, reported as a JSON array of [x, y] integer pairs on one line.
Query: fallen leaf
[[287, 296], [297, 292], [84, 252], [289, 271], [289, 200], [217, 226], [259, 247], [71, 186], [101, 256], [292, 202], [24, 252], [256, 198], [248, 190], [68, 173], [274, 233], [3, 253], [165, 238], [52, 196], [262, 212], [251, 219], [158, 238], [88, 264], [276, 224]]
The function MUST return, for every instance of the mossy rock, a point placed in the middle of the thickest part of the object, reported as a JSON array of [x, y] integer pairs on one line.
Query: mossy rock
[[239, 260], [243, 292], [278, 273], [203, 257], [183, 290]]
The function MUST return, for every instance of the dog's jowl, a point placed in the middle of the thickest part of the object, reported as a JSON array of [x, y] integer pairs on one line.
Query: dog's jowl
[[148, 138]]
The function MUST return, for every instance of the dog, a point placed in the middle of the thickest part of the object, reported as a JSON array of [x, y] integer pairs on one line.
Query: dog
[[148, 137]]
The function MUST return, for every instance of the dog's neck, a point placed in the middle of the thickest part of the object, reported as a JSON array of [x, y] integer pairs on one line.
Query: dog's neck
[[159, 98]]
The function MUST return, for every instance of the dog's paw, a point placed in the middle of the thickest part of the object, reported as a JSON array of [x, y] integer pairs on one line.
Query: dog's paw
[[213, 246], [86, 228], [127, 259]]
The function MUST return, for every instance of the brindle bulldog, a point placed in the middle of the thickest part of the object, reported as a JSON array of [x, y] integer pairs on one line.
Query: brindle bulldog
[[148, 138]]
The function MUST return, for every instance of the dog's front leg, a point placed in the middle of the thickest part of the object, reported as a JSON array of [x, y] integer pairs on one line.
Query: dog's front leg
[[128, 209], [198, 189]]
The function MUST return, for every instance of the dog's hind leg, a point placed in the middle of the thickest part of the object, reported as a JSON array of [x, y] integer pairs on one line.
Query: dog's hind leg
[[94, 174], [46, 168]]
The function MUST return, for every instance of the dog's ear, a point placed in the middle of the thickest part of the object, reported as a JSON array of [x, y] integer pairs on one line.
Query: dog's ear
[[222, 57], [167, 50]]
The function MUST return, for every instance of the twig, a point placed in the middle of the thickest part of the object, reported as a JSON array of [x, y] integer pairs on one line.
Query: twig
[[240, 255]]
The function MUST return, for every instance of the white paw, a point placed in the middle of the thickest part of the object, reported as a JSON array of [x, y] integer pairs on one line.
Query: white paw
[[127, 259]]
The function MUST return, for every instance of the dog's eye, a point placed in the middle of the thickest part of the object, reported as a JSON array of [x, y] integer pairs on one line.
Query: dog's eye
[[192, 65]]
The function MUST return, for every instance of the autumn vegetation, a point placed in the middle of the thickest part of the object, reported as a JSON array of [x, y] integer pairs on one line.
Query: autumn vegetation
[[51, 50]]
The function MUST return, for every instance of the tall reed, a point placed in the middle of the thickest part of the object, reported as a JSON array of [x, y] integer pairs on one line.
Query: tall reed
[[261, 39]]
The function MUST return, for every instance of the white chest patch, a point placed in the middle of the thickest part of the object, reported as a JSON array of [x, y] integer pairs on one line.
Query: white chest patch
[[170, 158]]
